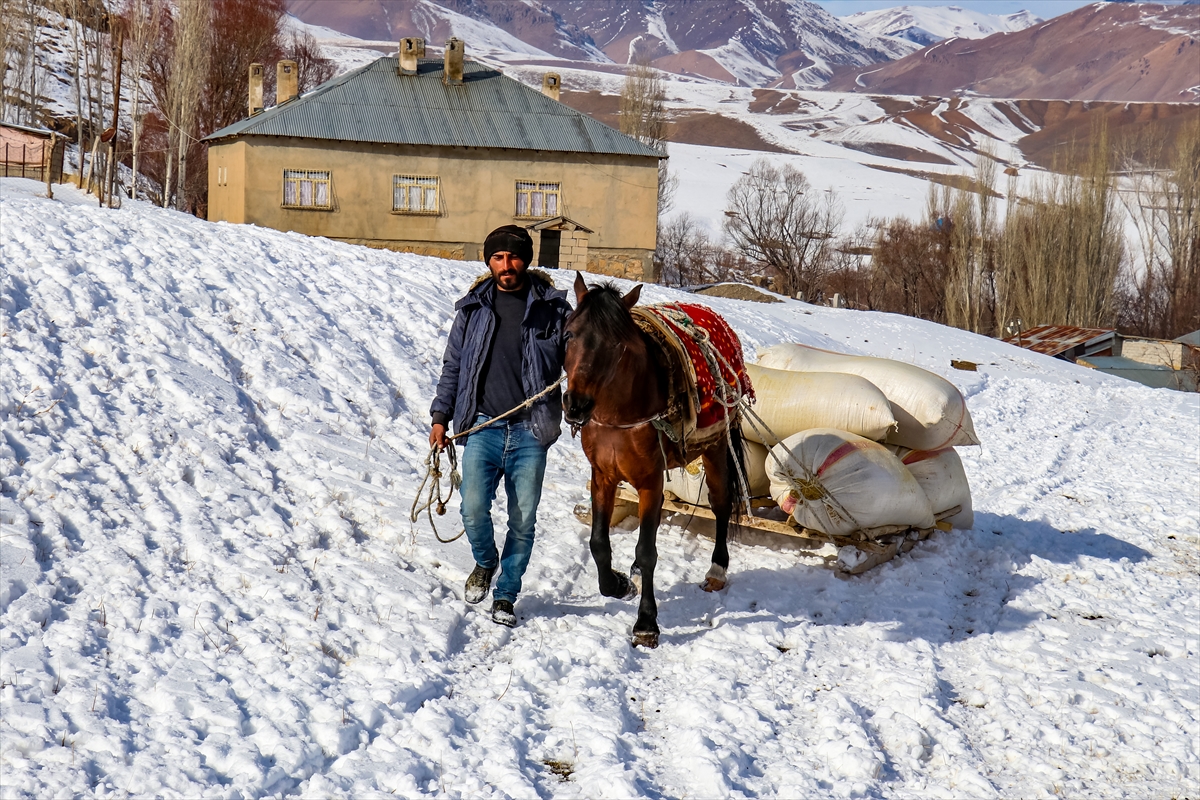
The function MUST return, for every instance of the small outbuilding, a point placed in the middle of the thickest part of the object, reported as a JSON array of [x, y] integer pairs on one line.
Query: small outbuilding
[[1068, 342], [1157, 363], [429, 155], [31, 152]]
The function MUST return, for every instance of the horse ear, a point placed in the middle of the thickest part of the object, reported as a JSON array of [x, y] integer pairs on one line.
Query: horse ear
[[630, 300], [580, 288]]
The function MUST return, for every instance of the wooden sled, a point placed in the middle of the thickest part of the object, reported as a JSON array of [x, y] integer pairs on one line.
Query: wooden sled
[[871, 548]]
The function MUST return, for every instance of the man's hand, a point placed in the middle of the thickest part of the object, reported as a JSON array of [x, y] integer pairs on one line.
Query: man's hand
[[437, 437]]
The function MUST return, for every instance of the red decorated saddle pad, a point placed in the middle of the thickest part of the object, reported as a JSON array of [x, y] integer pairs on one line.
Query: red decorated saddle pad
[[718, 373]]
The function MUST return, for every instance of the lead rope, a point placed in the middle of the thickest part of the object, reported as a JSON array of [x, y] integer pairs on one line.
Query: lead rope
[[810, 483], [433, 468]]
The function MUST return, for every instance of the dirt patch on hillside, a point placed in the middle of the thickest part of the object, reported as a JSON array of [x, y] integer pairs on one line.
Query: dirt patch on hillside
[[771, 101], [718, 131], [896, 152], [739, 291], [955, 181], [1067, 127], [688, 127], [691, 62]]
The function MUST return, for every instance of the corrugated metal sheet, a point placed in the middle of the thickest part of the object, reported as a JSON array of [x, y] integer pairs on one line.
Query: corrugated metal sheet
[[1053, 340], [374, 104]]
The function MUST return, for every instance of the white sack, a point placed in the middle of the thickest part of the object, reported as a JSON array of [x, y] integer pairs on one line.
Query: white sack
[[930, 411], [940, 473], [790, 402], [846, 483], [688, 483]]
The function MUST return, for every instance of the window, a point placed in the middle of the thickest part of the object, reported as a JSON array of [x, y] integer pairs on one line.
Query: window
[[222, 176], [415, 194], [538, 199], [303, 188]]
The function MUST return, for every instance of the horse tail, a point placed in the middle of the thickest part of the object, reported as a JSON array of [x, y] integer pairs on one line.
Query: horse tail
[[735, 472]]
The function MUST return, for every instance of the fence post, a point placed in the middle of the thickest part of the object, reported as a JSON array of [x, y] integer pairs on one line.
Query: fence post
[[48, 164]]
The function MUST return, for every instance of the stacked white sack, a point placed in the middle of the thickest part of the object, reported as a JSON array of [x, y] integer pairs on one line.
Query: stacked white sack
[[789, 402], [837, 483], [940, 473], [930, 411], [687, 483]]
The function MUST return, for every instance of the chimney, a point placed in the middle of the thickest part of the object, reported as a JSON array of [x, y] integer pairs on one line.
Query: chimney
[[287, 82], [551, 83], [411, 49], [453, 75], [256, 89]]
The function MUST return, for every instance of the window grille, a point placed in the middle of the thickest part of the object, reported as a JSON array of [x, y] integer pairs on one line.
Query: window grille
[[538, 199], [304, 188], [415, 194]]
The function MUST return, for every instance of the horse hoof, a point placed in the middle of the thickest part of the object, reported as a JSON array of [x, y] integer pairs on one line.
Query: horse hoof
[[714, 581], [646, 639], [625, 589]]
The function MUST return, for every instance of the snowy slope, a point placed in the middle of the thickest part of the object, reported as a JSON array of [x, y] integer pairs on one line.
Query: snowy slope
[[211, 437], [925, 25]]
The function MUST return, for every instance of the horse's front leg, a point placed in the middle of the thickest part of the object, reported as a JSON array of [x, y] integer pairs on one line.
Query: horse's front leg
[[604, 492], [645, 629]]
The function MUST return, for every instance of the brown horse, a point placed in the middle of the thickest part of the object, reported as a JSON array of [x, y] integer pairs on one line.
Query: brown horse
[[617, 386]]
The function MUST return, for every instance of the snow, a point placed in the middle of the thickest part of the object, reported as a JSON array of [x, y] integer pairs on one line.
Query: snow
[[212, 434], [864, 194], [926, 25]]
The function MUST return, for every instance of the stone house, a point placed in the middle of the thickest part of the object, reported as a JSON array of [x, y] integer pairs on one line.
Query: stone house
[[429, 155]]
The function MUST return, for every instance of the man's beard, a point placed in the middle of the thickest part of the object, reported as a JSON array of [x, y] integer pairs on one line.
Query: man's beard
[[510, 279]]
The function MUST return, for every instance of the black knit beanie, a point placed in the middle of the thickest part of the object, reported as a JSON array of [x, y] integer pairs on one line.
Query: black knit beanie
[[509, 238]]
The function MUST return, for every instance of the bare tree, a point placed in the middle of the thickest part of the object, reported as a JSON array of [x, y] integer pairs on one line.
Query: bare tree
[[910, 262], [188, 71], [969, 301], [1063, 248], [643, 116], [143, 22], [244, 32], [776, 219], [686, 255], [21, 29], [1164, 300], [8, 38], [312, 67]]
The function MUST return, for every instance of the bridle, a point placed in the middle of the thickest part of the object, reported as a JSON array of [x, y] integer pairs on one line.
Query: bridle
[[576, 427]]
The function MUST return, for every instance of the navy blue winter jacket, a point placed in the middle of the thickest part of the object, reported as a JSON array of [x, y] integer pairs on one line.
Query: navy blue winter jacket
[[542, 348]]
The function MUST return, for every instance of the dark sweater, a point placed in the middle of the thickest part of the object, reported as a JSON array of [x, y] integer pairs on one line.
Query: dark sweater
[[500, 387]]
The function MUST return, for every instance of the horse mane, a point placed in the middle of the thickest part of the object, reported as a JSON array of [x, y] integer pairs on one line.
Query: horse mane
[[607, 313]]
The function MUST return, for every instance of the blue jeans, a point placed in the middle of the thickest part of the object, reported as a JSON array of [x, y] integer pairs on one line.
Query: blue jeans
[[507, 449]]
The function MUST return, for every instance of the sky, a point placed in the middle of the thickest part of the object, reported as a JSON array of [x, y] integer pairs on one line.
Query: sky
[[1043, 8]]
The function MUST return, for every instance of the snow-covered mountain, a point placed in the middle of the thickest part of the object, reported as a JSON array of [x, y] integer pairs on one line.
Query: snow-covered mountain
[[210, 438], [926, 25], [790, 43], [1147, 52]]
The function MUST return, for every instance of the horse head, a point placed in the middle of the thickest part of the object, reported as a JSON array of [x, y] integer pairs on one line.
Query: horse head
[[596, 333]]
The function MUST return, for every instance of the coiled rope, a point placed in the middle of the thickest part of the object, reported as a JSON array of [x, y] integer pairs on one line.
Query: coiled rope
[[433, 468]]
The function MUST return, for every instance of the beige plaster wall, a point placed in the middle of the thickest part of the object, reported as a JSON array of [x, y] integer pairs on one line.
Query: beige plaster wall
[[616, 196]]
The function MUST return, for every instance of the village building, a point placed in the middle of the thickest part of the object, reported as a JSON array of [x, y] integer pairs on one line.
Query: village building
[[429, 155]]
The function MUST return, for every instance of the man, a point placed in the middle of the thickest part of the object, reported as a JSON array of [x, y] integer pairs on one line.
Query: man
[[506, 345]]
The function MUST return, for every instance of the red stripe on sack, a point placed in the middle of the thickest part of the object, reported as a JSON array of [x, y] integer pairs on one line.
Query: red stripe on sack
[[837, 455], [917, 456]]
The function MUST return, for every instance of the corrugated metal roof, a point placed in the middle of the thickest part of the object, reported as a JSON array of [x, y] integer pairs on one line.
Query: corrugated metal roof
[[374, 104], [1054, 339]]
